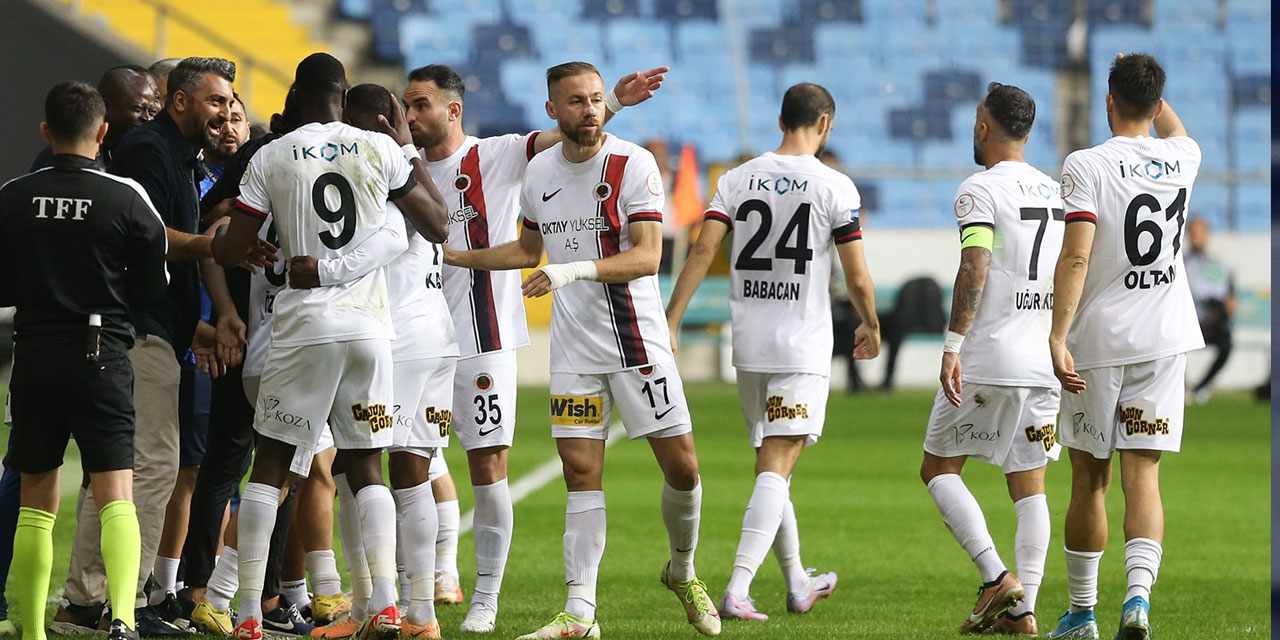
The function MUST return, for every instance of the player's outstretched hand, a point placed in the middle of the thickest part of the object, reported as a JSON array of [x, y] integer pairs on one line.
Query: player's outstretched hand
[[950, 377], [205, 348], [637, 87], [304, 272], [230, 339], [1064, 366], [538, 284], [261, 255], [866, 342], [397, 127]]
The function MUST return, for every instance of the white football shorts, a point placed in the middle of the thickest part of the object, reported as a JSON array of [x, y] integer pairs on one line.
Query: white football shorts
[[348, 383], [783, 404], [1131, 406], [1010, 427], [422, 411], [650, 399], [302, 456], [484, 400]]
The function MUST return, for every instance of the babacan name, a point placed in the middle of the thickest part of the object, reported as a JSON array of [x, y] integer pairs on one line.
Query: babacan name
[[765, 290]]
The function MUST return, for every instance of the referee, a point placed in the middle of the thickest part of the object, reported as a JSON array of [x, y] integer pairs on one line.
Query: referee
[[78, 249]]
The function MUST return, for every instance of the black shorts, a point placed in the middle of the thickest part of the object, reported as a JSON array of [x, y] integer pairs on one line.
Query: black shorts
[[195, 393], [56, 394]]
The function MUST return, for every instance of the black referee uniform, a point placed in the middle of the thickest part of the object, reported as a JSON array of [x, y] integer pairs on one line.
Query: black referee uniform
[[76, 244]]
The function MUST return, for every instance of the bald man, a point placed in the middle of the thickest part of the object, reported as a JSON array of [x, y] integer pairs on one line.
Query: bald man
[[129, 92]]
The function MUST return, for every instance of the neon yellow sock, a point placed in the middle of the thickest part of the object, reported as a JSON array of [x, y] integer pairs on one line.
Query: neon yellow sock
[[121, 546], [32, 562]]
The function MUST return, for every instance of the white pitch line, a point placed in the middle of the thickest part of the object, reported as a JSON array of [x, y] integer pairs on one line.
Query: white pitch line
[[538, 478]]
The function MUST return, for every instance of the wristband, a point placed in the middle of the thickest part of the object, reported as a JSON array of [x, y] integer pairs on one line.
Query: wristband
[[611, 102], [952, 343], [410, 152], [562, 274]]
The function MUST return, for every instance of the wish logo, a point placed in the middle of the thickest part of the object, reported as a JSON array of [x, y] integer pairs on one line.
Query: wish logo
[[965, 432]]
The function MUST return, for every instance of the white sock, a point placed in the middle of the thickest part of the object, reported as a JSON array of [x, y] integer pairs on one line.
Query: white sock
[[416, 510], [1082, 578], [963, 516], [353, 549], [402, 578], [584, 538], [378, 533], [1141, 565], [1030, 546], [786, 548], [494, 521], [295, 591], [166, 573], [759, 527], [682, 514], [447, 538], [258, 505], [322, 566], [224, 581]]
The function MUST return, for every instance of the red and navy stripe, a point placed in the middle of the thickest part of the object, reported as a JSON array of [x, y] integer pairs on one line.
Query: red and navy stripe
[[622, 310], [718, 216], [1082, 216], [847, 232], [484, 313], [529, 224], [645, 216], [250, 210], [530, 149]]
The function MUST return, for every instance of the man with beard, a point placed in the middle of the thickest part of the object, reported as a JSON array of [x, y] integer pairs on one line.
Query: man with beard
[[595, 202], [781, 325], [160, 155], [129, 92], [480, 180], [195, 385]]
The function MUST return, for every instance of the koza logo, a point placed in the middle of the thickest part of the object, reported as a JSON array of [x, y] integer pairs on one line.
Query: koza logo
[[271, 411], [966, 432], [374, 414], [577, 411], [1080, 424]]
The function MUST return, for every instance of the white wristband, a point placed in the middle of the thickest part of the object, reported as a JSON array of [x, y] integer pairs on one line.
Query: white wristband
[[611, 102], [562, 274], [410, 152], [952, 343]]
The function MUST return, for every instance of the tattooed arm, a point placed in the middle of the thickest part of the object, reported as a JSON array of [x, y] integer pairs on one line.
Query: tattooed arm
[[975, 261]]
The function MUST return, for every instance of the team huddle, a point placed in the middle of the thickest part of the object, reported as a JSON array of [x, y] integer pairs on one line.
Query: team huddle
[[390, 318]]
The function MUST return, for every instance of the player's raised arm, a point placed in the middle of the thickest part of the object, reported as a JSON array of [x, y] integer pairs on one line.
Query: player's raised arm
[[631, 90], [422, 205], [695, 269], [1167, 123], [524, 253]]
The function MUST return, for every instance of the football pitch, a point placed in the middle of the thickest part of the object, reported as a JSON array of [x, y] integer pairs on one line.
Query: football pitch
[[864, 513]]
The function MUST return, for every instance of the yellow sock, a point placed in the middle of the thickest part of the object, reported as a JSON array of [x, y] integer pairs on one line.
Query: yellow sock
[[121, 546], [32, 562]]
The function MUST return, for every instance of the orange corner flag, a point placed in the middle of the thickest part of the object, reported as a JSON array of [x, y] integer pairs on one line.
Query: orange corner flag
[[686, 197]]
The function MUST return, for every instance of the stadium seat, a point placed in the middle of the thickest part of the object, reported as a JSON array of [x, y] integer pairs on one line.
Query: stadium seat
[[355, 9], [494, 42], [401, 6], [782, 44], [699, 37], [820, 11], [1185, 11], [972, 11], [544, 11], [638, 43], [953, 86], [1251, 91], [1044, 45], [609, 9], [1249, 49], [754, 13], [1098, 12], [1248, 12], [1213, 153], [430, 39], [1253, 207], [895, 13], [1252, 140], [558, 42], [839, 41], [684, 9]]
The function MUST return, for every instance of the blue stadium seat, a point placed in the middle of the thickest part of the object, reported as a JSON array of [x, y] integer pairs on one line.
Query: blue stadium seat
[[493, 42], [820, 11], [1039, 12], [489, 116], [895, 13], [700, 37], [480, 10], [755, 13], [638, 43], [1191, 42], [916, 123], [385, 25], [355, 9], [1044, 45], [713, 146], [1251, 91], [685, 9], [1252, 140], [1213, 152], [519, 78], [839, 41], [1209, 201], [481, 81], [782, 44], [543, 11], [956, 153], [1185, 11], [401, 6], [970, 11], [609, 9], [558, 41], [1253, 207], [1099, 12], [1248, 12], [953, 86], [434, 40], [1249, 49]]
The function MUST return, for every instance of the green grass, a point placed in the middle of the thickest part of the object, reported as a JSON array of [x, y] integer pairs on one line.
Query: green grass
[[864, 514]]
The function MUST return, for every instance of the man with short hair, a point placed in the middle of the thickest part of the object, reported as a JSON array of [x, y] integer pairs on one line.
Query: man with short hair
[[330, 355], [72, 336], [999, 400], [481, 178], [160, 155], [782, 335], [595, 201], [1123, 321], [1213, 287], [129, 92], [161, 69]]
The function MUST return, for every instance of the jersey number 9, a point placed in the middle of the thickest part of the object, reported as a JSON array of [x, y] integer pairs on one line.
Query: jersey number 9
[[345, 213]]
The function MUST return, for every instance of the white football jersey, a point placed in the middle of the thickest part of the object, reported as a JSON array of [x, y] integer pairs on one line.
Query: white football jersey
[[264, 284], [480, 183], [1008, 341], [327, 185], [419, 312], [787, 213], [1136, 305], [584, 211]]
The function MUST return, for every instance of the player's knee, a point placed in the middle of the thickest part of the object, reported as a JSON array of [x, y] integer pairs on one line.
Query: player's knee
[[487, 466]]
